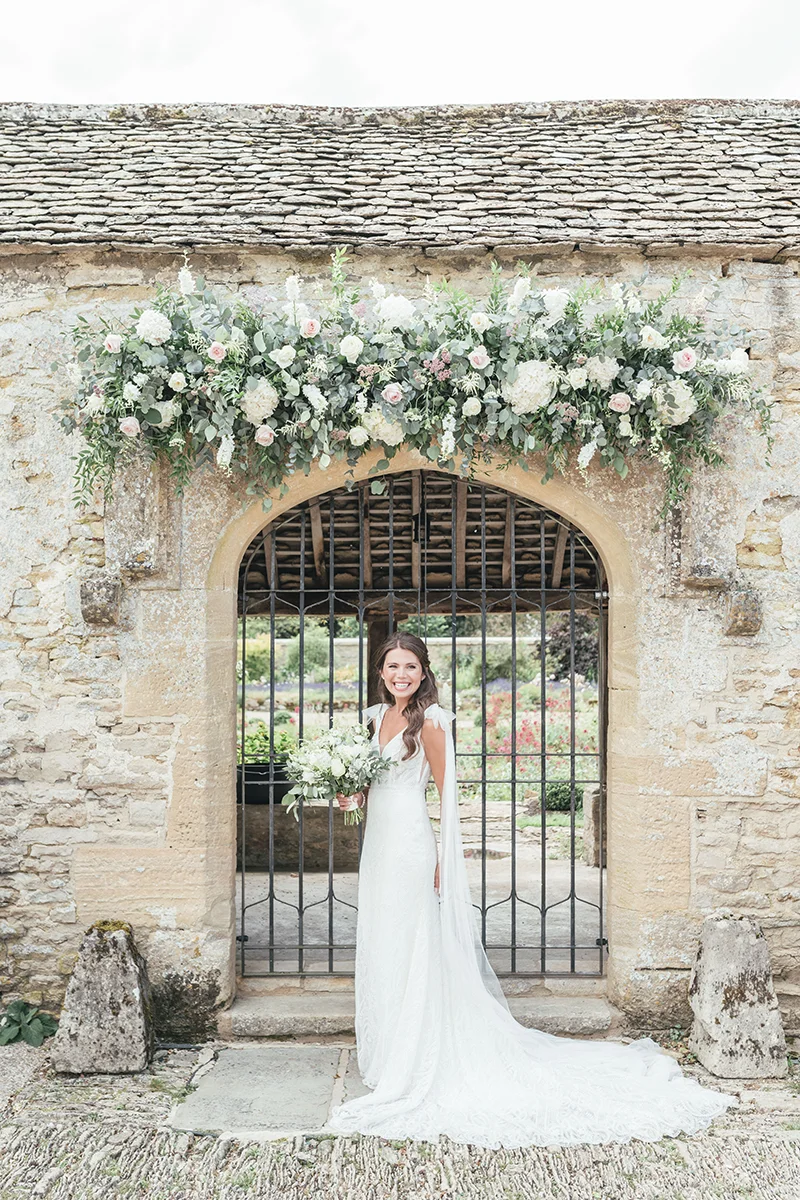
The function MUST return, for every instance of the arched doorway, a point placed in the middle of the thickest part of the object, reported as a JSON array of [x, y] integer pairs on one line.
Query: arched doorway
[[512, 600]]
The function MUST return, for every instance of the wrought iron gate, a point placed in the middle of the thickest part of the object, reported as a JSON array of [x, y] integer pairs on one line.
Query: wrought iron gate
[[511, 599]]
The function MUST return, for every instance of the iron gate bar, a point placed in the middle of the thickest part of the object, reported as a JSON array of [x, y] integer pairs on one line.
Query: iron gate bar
[[308, 600]]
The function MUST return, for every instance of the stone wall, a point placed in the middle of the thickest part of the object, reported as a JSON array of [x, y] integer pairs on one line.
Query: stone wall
[[117, 656]]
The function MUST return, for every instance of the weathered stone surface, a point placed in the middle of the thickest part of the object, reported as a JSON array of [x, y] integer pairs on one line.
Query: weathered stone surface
[[100, 596], [744, 614], [106, 1024], [737, 1031]]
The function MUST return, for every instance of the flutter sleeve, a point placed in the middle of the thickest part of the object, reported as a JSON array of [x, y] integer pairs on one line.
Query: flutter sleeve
[[441, 717], [371, 713]]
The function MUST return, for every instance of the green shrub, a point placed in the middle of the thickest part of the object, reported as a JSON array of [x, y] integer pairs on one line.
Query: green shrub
[[499, 663], [25, 1022], [316, 653], [557, 793], [257, 661], [256, 743], [586, 645]]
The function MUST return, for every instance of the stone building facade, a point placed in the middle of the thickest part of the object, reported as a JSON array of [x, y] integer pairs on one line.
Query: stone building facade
[[117, 623]]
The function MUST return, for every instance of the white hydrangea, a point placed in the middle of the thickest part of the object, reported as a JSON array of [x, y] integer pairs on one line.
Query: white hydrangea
[[131, 393], [395, 311], [153, 327], [533, 387], [259, 402], [602, 370], [350, 347], [651, 339], [555, 302], [315, 398], [381, 430], [472, 407], [675, 402]]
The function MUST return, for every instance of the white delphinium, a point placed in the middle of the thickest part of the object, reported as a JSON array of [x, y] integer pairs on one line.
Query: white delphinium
[[602, 370], [186, 282], [225, 452], [448, 442], [296, 311], [519, 293], [675, 402], [633, 303], [586, 454], [294, 287], [395, 311], [555, 301], [153, 327], [315, 398], [259, 402], [533, 387]]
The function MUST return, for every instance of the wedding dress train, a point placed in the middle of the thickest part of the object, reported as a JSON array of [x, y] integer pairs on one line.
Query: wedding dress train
[[436, 1041]]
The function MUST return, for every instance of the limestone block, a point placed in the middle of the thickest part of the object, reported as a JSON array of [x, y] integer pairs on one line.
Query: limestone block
[[100, 597], [106, 1023], [744, 613], [737, 1031]]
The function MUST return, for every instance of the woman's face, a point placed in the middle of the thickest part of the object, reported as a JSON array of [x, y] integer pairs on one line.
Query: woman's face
[[401, 672]]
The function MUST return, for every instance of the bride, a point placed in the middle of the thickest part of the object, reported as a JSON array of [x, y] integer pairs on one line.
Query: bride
[[435, 1039]]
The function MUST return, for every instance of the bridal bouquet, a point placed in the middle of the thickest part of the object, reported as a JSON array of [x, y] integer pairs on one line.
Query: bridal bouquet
[[339, 762]]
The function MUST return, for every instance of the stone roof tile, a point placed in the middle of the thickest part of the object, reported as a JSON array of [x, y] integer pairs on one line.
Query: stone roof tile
[[611, 173]]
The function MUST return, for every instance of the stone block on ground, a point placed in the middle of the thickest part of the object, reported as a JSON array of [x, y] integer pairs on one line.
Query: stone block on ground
[[106, 1024], [737, 1031]]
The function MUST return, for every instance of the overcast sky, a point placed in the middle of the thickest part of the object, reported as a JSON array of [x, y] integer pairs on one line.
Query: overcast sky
[[366, 52]]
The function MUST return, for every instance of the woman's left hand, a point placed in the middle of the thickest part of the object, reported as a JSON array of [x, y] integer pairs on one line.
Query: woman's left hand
[[436, 879]]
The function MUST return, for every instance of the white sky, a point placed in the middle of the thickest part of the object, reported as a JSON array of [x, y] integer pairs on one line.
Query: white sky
[[367, 52]]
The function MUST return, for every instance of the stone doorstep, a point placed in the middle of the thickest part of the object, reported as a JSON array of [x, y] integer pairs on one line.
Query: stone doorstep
[[325, 1014]]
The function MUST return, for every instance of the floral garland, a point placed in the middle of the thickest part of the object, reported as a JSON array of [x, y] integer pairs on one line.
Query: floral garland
[[269, 390]]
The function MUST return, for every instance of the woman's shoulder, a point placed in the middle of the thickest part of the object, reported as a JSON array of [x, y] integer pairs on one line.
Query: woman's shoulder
[[438, 716]]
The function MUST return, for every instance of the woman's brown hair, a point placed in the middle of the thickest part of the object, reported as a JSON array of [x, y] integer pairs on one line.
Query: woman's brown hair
[[427, 692]]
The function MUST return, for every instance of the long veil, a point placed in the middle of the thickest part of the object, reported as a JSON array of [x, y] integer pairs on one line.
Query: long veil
[[462, 947]]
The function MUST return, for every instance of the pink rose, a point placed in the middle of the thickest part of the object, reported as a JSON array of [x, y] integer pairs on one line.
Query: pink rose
[[619, 402], [310, 327], [129, 426], [684, 360], [478, 358], [217, 352], [113, 343], [392, 393], [265, 435]]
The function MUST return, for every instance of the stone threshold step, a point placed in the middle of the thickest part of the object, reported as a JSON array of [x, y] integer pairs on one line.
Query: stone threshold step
[[324, 1014]]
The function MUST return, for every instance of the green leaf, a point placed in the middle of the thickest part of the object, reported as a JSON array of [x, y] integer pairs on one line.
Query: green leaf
[[211, 433], [324, 461], [152, 416], [259, 343], [33, 1034]]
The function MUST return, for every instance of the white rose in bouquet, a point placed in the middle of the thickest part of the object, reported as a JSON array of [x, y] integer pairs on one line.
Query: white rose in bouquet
[[342, 763]]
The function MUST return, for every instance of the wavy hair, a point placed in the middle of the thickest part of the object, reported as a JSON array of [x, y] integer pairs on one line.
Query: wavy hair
[[427, 692]]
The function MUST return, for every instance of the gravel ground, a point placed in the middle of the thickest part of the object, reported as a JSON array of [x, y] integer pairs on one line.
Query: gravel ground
[[105, 1136]]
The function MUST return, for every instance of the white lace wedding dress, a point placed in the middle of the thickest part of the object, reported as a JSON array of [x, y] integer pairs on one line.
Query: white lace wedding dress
[[435, 1038]]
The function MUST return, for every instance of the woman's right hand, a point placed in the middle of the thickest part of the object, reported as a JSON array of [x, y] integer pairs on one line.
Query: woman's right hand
[[347, 802]]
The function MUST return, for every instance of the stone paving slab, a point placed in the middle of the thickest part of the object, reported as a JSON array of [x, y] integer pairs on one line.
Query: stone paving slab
[[115, 1138]]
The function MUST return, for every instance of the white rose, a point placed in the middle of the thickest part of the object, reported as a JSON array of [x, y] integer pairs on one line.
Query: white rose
[[113, 343], [478, 358], [310, 327], [577, 378], [471, 407], [684, 360], [533, 387], [480, 321], [153, 327], [284, 356], [129, 426], [337, 768], [259, 402], [651, 338], [392, 393], [177, 381], [625, 429], [358, 436], [740, 361], [396, 312], [131, 393], [675, 402], [555, 301], [264, 435], [643, 389], [602, 370], [350, 347]]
